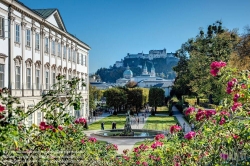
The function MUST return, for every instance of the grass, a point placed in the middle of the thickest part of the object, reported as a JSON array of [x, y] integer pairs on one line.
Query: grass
[[119, 119], [160, 122], [162, 110]]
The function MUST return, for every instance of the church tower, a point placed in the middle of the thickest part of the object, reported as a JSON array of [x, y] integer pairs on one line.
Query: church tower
[[152, 73], [145, 70]]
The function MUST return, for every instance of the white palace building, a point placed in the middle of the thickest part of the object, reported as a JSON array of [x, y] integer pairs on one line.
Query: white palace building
[[34, 48]]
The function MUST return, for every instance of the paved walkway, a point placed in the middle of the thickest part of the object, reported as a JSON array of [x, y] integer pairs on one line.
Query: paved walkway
[[179, 116], [104, 115]]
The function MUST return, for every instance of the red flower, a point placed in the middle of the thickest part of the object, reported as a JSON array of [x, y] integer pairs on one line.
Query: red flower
[[200, 115], [243, 86], [236, 96], [159, 136], [81, 121], [137, 162], [2, 108], [190, 135], [83, 141], [92, 139], [222, 121], [235, 136], [236, 105], [224, 156], [60, 127], [156, 144], [216, 66], [175, 128], [209, 113], [189, 110], [144, 163]]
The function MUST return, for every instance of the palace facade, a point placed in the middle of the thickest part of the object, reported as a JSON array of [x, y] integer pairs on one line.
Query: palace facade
[[34, 48]]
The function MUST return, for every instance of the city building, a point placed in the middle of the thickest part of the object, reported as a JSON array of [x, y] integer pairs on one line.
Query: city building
[[35, 47], [146, 80]]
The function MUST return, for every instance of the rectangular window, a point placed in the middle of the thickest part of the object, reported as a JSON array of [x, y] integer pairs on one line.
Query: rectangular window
[[64, 52], [18, 77], [37, 79], [1, 27], [29, 120], [59, 50], [1, 75], [53, 47], [37, 41], [74, 56], [78, 58], [39, 117], [46, 44], [28, 76], [82, 59], [17, 33], [28, 37], [69, 58], [47, 79], [53, 78]]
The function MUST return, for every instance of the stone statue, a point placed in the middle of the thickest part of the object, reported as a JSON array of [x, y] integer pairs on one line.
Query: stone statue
[[127, 127]]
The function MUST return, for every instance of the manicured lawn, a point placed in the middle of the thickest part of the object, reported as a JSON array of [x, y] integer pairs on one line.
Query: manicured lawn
[[159, 122], [119, 119], [162, 110]]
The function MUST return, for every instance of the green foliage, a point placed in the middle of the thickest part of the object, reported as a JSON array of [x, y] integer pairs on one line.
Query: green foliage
[[135, 98], [156, 97], [94, 94], [53, 142], [115, 97], [195, 57]]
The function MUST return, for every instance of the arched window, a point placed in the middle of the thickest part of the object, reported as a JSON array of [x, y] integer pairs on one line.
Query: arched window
[[18, 62], [28, 73]]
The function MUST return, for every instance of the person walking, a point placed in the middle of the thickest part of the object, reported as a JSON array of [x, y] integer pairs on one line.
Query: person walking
[[102, 126]]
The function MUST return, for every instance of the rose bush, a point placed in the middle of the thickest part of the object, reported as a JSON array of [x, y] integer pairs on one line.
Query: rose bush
[[222, 136], [59, 140]]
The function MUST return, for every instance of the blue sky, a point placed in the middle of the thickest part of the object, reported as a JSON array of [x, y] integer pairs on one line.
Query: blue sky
[[114, 28]]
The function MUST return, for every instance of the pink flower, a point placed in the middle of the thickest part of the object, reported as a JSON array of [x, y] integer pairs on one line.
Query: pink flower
[[175, 128], [222, 121], [83, 141], [2, 108], [236, 96], [81, 121], [224, 156], [200, 115], [144, 163], [92, 139], [235, 136], [60, 127], [115, 147], [137, 162], [209, 113], [230, 85], [156, 144], [236, 105], [43, 126], [190, 135], [243, 86], [136, 150], [177, 164], [126, 158], [143, 147], [216, 66], [189, 110], [159, 136]]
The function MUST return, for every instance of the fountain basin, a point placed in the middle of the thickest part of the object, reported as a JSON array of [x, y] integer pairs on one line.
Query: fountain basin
[[138, 133]]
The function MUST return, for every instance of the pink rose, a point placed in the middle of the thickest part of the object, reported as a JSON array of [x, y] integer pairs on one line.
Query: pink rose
[[190, 135], [224, 156], [236, 105], [159, 136], [175, 128], [189, 110]]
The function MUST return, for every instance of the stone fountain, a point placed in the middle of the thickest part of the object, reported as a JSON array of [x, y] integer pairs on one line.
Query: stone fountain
[[127, 131]]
